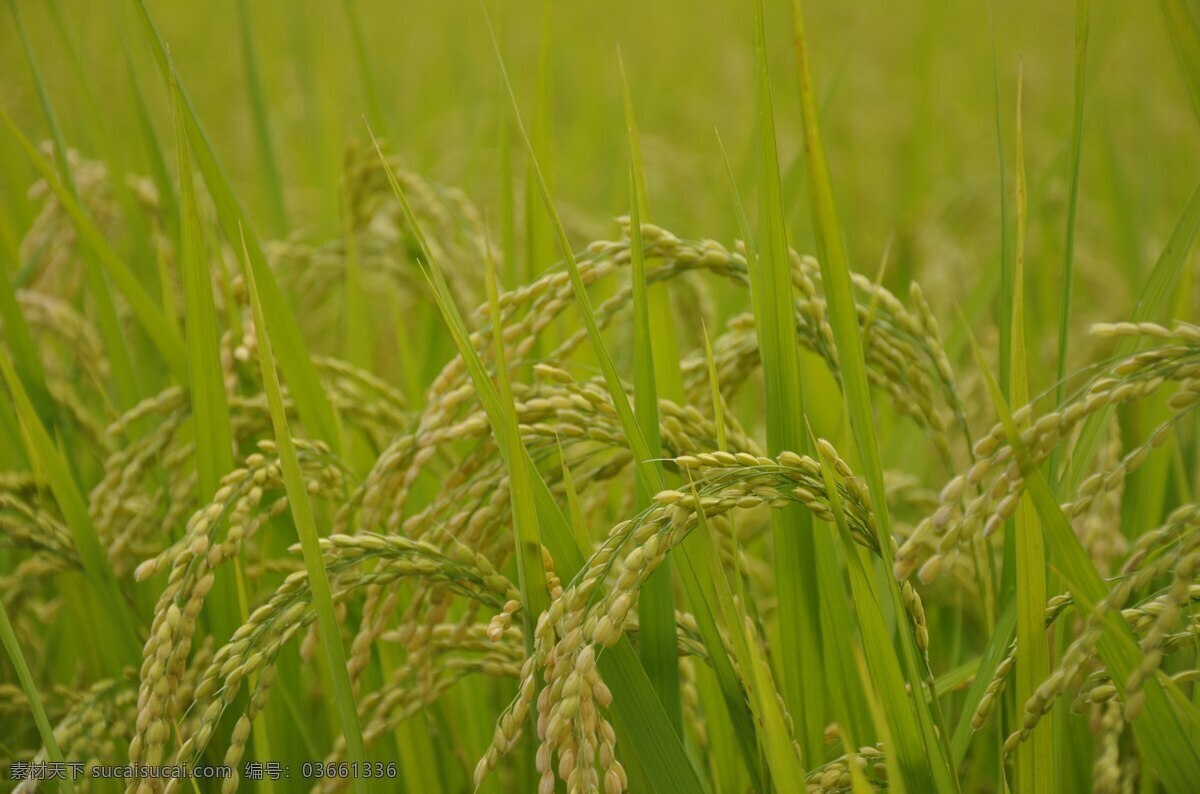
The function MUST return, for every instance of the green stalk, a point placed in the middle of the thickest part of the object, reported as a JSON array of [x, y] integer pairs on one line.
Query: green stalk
[[306, 529], [922, 754], [1035, 758], [110, 608], [115, 343], [304, 386], [8, 638], [1161, 735], [262, 125], [658, 645], [641, 723], [798, 557]]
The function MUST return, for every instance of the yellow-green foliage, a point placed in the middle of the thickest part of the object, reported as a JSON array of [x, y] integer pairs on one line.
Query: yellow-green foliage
[[319, 447]]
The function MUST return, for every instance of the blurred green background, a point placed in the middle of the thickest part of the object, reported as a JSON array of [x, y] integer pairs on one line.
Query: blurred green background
[[909, 110]]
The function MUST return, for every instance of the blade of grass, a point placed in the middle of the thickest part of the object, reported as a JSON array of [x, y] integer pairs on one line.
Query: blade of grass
[[213, 437], [306, 529], [212, 434], [799, 554], [167, 200], [113, 612], [994, 652], [927, 768], [1152, 304], [366, 75], [658, 646], [1160, 734], [262, 124], [885, 674], [1034, 758], [640, 720], [159, 329], [833, 618], [1006, 270], [304, 386], [527, 536], [124, 374], [663, 340], [1185, 36], [1082, 23], [760, 692], [8, 638]]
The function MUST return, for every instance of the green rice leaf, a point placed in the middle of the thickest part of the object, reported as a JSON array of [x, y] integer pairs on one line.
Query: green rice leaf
[[1185, 36], [923, 756], [262, 124], [210, 411], [306, 529], [8, 639], [304, 386], [800, 551], [111, 610], [161, 332], [658, 646], [640, 719], [1152, 304], [124, 374], [1034, 758], [1160, 734]]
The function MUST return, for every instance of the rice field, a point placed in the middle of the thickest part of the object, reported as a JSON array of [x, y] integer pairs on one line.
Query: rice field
[[735, 397]]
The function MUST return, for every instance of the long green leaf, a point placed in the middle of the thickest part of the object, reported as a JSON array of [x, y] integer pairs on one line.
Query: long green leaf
[[657, 643], [262, 124], [527, 534], [1185, 36], [1082, 25], [8, 638], [210, 411], [211, 430], [885, 672], [161, 332], [1152, 304], [1035, 758], [124, 374], [306, 528], [1160, 734], [640, 719], [304, 386], [923, 755], [112, 611], [799, 552]]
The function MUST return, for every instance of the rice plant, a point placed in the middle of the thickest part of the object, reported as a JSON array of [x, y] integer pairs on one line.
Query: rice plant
[[852, 448]]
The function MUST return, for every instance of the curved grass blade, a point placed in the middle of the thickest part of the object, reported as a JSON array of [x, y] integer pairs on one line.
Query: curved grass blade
[[799, 553], [885, 671], [1185, 36], [113, 612], [306, 528], [262, 124], [641, 723], [124, 374], [760, 692], [1082, 24], [1159, 731], [212, 433], [8, 639], [657, 644], [1152, 304], [1034, 758], [304, 386], [923, 755], [159, 329]]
